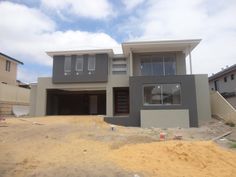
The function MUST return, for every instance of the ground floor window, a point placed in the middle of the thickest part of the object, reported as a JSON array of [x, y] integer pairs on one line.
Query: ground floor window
[[162, 94]]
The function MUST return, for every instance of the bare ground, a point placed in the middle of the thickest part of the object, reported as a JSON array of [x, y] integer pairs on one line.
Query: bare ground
[[86, 146]]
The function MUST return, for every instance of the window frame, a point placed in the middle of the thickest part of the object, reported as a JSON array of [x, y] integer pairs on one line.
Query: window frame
[[225, 79], [79, 58], [8, 66], [162, 102], [66, 70], [232, 76], [163, 57], [89, 59]]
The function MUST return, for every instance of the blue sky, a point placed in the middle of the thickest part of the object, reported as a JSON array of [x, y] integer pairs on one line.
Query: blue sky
[[31, 27]]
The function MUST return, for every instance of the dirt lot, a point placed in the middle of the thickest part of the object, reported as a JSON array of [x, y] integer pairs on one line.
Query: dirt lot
[[87, 147]]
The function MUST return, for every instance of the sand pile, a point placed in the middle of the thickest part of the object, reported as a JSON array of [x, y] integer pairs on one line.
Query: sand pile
[[177, 159]]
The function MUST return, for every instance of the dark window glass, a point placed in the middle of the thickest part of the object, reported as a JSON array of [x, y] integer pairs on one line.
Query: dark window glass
[[165, 94], [8, 65], [146, 67], [158, 65], [225, 79], [170, 66], [232, 76], [171, 94], [152, 94]]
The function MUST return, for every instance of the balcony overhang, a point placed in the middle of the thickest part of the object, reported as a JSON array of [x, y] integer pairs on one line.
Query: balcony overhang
[[81, 52], [185, 46]]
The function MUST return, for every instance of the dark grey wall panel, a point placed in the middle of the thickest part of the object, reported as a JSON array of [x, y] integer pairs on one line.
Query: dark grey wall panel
[[99, 75], [188, 96]]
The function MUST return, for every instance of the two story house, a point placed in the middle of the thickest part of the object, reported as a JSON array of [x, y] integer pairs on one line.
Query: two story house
[[11, 94], [8, 69], [224, 82], [147, 85]]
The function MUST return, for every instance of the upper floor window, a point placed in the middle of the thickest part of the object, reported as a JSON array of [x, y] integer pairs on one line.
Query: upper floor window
[[91, 63], [232, 76], [162, 94], [8, 66], [158, 65], [225, 79], [119, 66], [67, 65], [79, 63]]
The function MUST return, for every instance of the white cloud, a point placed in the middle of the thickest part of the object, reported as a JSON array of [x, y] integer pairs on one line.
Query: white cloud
[[213, 21], [131, 4], [27, 33], [99, 9]]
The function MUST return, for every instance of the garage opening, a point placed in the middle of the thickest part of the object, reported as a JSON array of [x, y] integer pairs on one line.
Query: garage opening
[[62, 102]]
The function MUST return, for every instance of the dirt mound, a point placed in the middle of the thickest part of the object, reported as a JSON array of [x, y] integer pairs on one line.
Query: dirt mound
[[177, 159]]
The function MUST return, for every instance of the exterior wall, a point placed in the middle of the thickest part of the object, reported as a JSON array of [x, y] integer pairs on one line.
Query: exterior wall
[[12, 95], [232, 101], [188, 96], [33, 96], [229, 86], [165, 118], [99, 75], [211, 85], [180, 63], [220, 107], [6, 76], [46, 83], [203, 98], [6, 108], [39, 92], [114, 81]]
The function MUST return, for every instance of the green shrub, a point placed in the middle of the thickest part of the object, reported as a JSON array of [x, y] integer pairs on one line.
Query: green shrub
[[233, 145]]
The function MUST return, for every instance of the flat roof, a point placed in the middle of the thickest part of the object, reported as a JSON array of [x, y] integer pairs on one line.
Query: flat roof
[[80, 52], [10, 58], [223, 72], [162, 45], [138, 46]]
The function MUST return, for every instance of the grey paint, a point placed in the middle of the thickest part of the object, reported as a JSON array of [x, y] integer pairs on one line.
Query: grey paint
[[170, 118], [179, 56], [99, 75], [188, 96], [203, 98]]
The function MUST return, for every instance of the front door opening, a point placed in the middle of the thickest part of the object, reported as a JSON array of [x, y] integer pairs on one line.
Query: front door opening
[[61, 102], [121, 100]]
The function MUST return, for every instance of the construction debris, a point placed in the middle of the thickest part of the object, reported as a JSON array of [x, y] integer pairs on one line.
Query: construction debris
[[221, 136]]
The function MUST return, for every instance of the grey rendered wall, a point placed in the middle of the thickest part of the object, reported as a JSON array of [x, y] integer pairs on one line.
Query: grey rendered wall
[[188, 98], [33, 96], [203, 98], [165, 118], [99, 75], [180, 62]]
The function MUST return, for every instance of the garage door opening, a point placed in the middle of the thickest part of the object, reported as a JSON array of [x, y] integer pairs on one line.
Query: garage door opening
[[61, 102]]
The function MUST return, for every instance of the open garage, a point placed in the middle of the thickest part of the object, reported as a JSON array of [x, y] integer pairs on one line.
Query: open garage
[[66, 102]]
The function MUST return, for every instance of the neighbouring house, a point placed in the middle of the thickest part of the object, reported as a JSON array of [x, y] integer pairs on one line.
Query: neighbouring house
[[8, 69], [10, 93], [225, 83], [147, 85]]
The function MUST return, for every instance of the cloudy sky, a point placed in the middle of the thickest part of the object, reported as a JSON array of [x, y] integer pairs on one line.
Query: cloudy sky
[[31, 27]]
